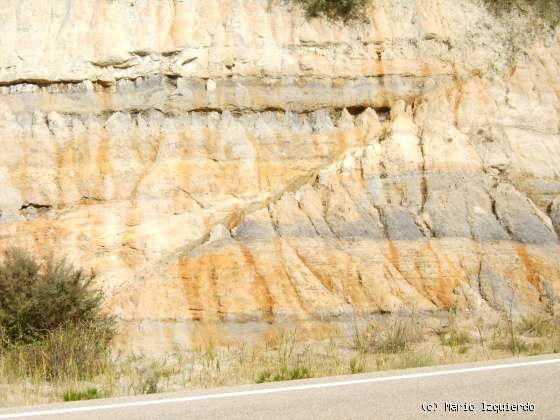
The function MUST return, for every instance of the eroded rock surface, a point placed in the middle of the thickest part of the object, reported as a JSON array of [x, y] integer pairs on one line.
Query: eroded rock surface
[[228, 166]]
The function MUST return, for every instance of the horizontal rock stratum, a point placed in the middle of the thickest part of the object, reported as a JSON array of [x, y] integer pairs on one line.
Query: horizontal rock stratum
[[229, 166]]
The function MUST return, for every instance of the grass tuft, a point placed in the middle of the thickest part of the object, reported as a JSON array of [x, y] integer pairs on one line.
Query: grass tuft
[[538, 326], [357, 365], [456, 339], [293, 374], [398, 337], [89, 394]]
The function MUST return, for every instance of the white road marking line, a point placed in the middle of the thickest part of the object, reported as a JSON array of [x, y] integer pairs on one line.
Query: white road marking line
[[276, 390]]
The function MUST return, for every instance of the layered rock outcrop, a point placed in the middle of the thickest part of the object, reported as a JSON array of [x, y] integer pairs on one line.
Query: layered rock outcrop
[[228, 166]]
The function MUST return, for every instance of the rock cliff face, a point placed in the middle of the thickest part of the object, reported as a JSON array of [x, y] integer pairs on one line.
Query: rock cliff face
[[228, 166]]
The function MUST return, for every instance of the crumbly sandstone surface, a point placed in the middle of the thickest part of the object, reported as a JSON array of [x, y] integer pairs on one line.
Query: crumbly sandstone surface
[[228, 166]]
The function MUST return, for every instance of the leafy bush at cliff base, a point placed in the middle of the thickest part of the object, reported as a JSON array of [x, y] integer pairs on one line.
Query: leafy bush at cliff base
[[335, 9], [35, 301]]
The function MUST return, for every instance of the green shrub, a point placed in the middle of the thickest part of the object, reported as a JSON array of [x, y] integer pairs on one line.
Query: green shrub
[[35, 301], [299, 372], [335, 9]]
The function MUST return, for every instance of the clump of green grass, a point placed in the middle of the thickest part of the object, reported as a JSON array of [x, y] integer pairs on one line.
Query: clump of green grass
[[555, 345], [88, 394], [264, 376], [462, 349], [345, 10], [357, 365], [287, 365], [292, 374], [456, 339]]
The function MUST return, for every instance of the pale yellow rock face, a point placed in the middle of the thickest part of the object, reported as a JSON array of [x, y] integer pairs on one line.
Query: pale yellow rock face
[[227, 167]]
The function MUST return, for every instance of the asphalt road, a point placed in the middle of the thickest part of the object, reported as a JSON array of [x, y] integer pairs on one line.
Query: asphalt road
[[534, 383]]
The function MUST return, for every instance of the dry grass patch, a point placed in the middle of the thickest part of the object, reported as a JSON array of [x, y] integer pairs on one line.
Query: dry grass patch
[[381, 344], [396, 337]]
